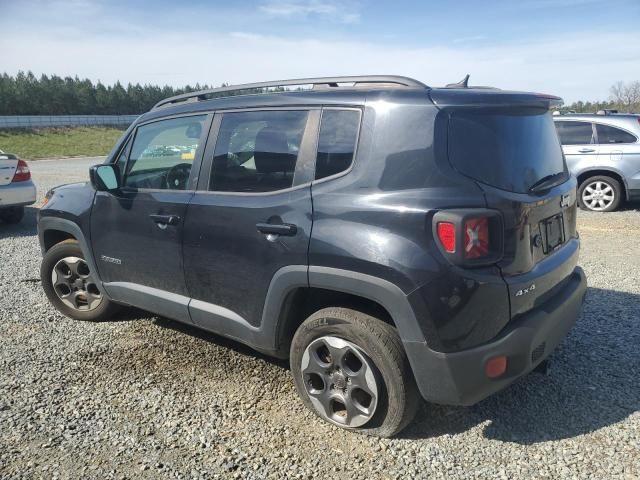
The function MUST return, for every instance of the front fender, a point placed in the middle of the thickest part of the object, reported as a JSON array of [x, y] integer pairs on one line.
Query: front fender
[[67, 226]]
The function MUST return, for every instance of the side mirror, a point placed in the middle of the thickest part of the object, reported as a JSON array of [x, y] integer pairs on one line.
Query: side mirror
[[105, 178]]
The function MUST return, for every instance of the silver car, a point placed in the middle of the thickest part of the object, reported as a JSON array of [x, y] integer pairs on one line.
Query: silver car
[[16, 188], [603, 152]]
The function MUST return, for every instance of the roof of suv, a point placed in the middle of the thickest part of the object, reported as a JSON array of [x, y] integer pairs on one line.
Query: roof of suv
[[325, 83], [597, 115], [356, 92]]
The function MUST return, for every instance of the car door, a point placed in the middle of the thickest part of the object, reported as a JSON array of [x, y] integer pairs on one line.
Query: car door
[[578, 144], [251, 215], [136, 233], [616, 143]]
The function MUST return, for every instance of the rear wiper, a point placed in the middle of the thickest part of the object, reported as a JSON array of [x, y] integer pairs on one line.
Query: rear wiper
[[547, 181]]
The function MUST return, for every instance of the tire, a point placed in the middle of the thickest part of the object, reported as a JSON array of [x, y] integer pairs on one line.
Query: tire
[[12, 214], [376, 347], [67, 258], [607, 191]]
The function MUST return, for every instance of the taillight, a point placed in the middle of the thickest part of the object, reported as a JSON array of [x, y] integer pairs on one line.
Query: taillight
[[447, 236], [469, 236], [476, 237], [22, 172]]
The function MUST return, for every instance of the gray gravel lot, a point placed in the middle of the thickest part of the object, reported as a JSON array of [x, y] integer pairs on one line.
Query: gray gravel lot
[[145, 397]]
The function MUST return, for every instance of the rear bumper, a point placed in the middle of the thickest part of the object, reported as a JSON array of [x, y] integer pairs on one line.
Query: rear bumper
[[458, 378], [17, 194]]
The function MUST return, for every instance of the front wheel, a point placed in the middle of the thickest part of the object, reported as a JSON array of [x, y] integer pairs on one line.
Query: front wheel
[[351, 370], [71, 286], [600, 194]]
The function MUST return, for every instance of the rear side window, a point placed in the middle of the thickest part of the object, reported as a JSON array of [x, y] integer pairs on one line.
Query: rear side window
[[607, 135], [575, 133], [506, 149], [337, 141], [257, 151]]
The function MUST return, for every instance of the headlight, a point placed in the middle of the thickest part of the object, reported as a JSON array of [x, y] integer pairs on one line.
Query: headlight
[[46, 198]]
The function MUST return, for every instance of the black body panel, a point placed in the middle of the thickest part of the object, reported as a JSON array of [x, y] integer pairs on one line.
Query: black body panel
[[123, 228], [529, 259], [458, 378], [227, 261]]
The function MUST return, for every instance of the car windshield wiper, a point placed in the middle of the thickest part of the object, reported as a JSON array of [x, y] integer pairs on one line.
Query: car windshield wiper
[[548, 181]]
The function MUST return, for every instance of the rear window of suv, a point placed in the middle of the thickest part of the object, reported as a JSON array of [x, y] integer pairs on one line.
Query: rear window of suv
[[505, 149]]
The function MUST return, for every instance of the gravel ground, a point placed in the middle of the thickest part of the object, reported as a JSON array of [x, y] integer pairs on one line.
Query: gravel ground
[[145, 397]]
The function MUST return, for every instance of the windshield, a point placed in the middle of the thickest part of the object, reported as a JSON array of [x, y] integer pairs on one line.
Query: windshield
[[510, 150]]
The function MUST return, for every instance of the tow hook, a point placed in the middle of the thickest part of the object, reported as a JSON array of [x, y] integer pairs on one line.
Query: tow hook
[[543, 367]]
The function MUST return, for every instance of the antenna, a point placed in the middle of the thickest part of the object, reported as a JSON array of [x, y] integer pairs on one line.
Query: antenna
[[464, 83]]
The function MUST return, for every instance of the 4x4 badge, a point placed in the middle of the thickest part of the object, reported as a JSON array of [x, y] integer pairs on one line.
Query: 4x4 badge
[[104, 258], [565, 200], [524, 291]]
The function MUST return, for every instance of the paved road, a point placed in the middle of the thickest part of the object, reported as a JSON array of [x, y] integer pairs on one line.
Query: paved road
[[49, 173], [146, 397]]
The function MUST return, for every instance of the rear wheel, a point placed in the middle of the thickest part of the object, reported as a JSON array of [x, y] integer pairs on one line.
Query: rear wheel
[[600, 194], [71, 286], [351, 370], [12, 214]]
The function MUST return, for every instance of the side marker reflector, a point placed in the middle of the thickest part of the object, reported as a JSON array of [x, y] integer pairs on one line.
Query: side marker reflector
[[496, 366]]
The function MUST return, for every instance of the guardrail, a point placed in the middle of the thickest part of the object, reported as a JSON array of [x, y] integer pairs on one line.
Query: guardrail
[[40, 121]]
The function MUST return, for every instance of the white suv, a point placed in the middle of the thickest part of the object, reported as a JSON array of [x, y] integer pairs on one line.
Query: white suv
[[16, 188], [603, 152]]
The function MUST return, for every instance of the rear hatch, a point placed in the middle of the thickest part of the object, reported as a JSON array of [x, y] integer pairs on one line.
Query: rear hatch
[[510, 147], [8, 165]]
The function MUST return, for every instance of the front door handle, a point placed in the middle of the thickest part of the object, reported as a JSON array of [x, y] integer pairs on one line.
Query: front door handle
[[287, 229], [587, 150], [164, 220]]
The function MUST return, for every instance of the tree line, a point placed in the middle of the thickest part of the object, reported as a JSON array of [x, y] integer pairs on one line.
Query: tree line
[[623, 97], [26, 94]]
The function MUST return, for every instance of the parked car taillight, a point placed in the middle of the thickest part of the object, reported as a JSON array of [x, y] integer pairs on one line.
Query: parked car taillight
[[22, 172], [476, 237], [447, 236], [478, 233]]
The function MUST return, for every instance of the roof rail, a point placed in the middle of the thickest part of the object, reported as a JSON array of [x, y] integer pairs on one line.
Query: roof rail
[[329, 82], [607, 111]]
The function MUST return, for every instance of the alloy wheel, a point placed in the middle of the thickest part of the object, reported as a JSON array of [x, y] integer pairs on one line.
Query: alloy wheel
[[340, 380], [73, 283], [598, 195]]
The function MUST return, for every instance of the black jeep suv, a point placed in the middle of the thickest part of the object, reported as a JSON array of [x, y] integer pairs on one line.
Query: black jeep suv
[[387, 237]]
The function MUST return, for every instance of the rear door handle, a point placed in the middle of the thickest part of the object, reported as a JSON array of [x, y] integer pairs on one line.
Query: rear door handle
[[164, 220], [586, 150], [287, 229]]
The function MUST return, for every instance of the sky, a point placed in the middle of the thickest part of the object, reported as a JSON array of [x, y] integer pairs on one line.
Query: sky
[[575, 49]]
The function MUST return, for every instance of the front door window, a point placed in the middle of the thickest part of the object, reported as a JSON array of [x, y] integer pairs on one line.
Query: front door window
[[163, 152]]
